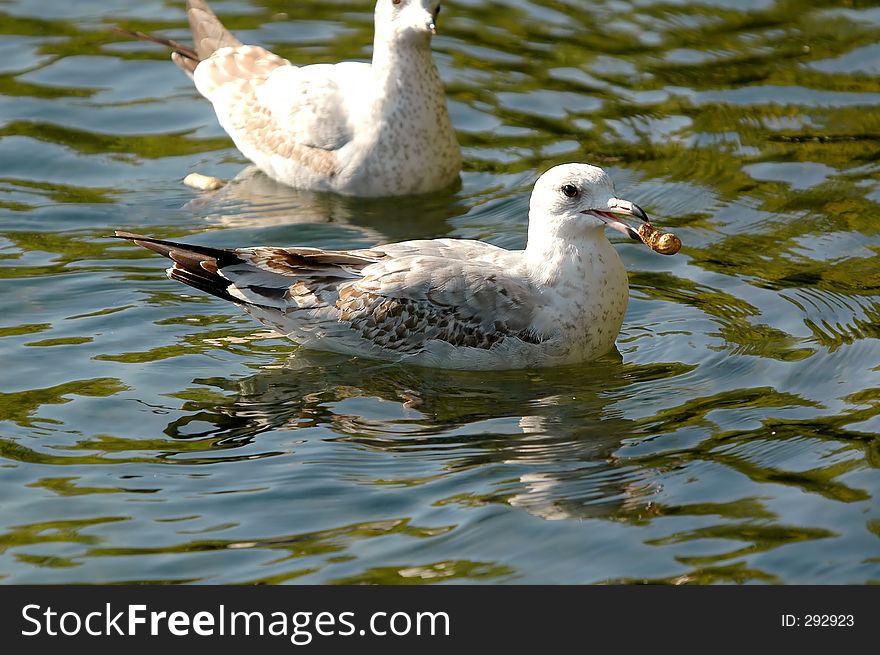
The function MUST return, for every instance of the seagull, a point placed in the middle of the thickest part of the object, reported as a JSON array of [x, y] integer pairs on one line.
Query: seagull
[[353, 128], [442, 303]]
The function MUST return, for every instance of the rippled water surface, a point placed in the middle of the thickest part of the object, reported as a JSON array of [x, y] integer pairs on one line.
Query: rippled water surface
[[149, 433]]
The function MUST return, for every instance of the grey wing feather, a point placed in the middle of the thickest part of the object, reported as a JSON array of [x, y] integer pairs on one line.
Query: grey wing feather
[[476, 292], [458, 293]]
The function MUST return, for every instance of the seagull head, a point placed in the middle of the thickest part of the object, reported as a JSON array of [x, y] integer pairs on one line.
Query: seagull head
[[573, 199], [407, 20]]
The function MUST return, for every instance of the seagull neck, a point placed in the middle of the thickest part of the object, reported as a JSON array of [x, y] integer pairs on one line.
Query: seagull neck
[[554, 254], [399, 64]]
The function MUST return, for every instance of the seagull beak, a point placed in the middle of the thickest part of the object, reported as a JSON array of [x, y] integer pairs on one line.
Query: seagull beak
[[432, 22], [616, 207], [619, 206], [421, 20]]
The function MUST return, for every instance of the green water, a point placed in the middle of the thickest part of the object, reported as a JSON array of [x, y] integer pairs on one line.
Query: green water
[[149, 433]]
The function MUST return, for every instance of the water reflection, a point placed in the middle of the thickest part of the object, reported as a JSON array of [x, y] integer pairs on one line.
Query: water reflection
[[555, 444], [254, 200], [556, 431]]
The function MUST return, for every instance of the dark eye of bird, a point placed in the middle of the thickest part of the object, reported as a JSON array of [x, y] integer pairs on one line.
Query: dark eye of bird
[[396, 2], [569, 191]]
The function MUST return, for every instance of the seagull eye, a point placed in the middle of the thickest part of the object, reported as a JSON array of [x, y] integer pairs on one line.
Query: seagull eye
[[395, 2], [569, 191]]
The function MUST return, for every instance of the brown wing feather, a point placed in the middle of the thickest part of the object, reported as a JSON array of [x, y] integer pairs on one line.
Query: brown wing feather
[[183, 55], [208, 32], [257, 275]]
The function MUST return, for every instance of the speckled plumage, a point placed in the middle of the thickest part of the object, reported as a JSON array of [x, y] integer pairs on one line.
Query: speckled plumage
[[372, 130], [447, 303]]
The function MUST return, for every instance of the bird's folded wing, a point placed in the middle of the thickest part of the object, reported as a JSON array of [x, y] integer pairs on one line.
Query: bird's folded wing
[[478, 294], [399, 302], [312, 104], [273, 108], [236, 71], [466, 298]]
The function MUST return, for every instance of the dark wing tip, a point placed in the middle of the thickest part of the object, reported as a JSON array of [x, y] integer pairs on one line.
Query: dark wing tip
[[122, 234], [176, 46], [163, 248], [191, 251], [197, 266]]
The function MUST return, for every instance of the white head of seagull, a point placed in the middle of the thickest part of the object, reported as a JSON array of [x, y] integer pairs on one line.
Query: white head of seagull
[[406, 20], [571, 198], [569, 206]]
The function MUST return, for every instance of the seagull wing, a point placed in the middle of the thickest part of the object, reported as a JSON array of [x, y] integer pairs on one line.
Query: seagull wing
[[270, 107], [399, 297], [256, 276], [457, 291]]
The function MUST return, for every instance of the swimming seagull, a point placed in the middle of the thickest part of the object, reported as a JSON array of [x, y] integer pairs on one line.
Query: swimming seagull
[[379, 129], [445, 303]]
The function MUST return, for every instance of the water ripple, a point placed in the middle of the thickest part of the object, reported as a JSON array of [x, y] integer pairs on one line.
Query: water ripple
[[149, 434]]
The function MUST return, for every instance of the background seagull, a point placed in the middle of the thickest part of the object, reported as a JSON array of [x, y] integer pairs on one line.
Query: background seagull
[[446, 303], [378, 129]]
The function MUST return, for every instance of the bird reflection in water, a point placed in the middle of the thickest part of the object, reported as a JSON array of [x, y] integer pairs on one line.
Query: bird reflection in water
[[254, 200], [549, 441]]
